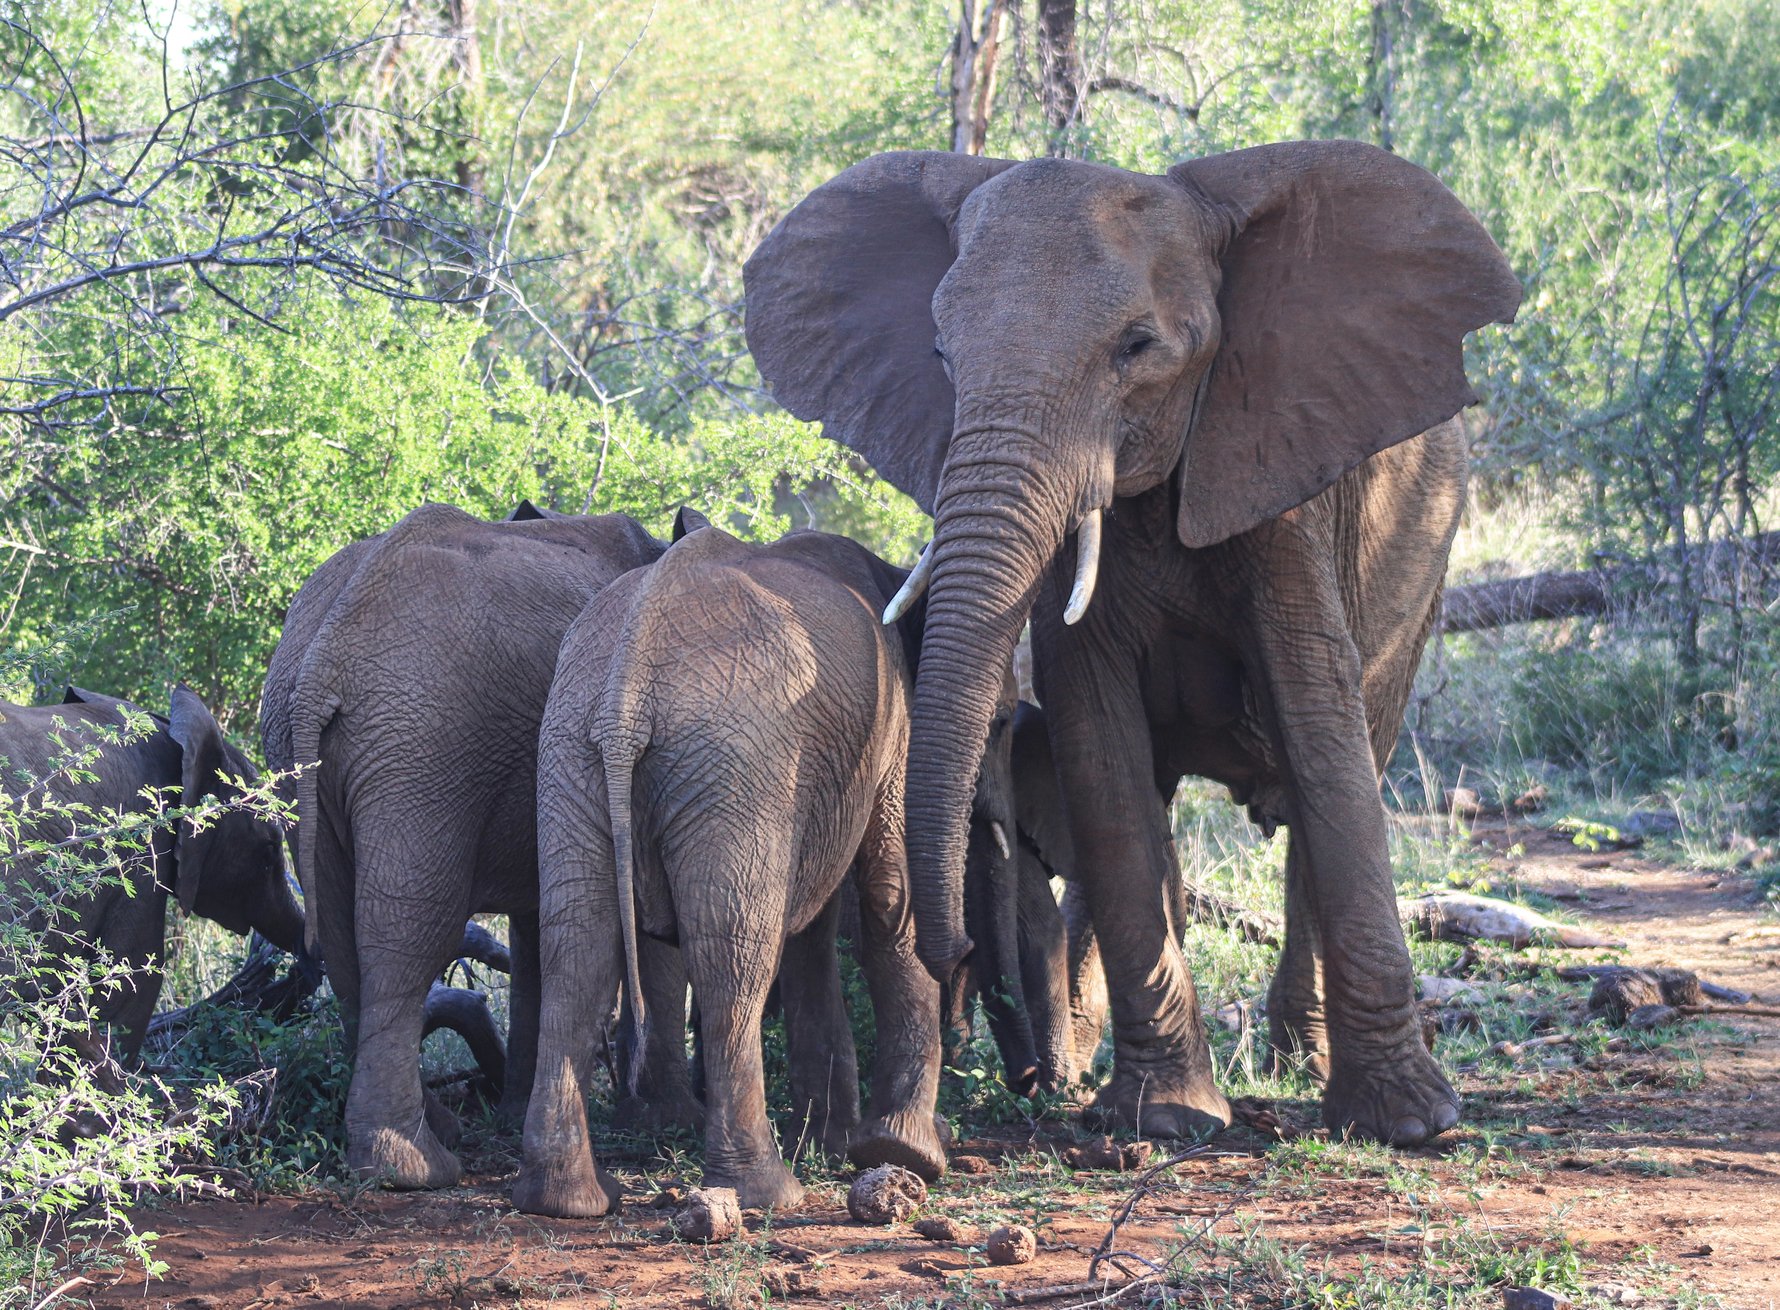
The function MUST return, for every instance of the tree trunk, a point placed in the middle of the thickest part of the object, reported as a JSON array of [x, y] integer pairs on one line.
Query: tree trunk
[[1059, 69], [466, 56], [1721, 569], [1381, 70], [976, 51]]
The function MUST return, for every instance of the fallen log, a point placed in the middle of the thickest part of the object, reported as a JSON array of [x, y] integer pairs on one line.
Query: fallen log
[[466, 1013], [1593, 592], [484, 947], [256, 986]]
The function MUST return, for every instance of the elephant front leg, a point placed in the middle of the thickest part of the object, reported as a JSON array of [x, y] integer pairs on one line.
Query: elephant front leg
[[731, 965], [1087, 980], [523, 1001], [1044, 970], [1297, 1027], [1383, 1083], [824, 1066], [664, 1100], [903, 1129], [1162, 1076]]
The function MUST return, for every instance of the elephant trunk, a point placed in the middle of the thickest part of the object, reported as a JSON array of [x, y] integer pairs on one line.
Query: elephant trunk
[[279, 919], [992, 539]]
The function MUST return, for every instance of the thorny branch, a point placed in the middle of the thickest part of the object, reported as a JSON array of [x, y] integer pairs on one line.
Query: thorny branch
[[255, 181]]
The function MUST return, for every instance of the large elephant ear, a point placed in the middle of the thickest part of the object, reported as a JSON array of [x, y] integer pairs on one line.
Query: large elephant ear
[[203, 756], [1349, 284], [840, 309]]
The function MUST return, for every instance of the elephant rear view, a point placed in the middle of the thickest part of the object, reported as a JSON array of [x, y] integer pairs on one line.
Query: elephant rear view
[[727, 735], [410, 681]]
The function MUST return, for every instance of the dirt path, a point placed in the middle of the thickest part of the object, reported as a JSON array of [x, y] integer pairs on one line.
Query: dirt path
[[1647, 1174]]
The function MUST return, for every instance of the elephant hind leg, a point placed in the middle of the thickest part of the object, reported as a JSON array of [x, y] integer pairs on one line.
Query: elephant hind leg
[[733, 972], [581, 959], [729, 894], [411, 901]]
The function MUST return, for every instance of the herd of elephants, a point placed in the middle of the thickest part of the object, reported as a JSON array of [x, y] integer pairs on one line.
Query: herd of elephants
[[1198, 431]]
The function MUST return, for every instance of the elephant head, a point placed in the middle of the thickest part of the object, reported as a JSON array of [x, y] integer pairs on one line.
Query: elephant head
[[1015, 344], [233, 870]]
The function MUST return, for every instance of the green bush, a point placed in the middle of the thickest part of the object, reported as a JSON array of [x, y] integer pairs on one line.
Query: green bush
[[203, 518], [79, 1142]]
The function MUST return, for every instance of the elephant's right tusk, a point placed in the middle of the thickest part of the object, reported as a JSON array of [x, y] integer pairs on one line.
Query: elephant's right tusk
[[1087, 567], [1000, 834], [911, 589]]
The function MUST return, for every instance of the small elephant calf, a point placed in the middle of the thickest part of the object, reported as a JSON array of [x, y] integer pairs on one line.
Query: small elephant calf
[[726, 736], [232, 871]]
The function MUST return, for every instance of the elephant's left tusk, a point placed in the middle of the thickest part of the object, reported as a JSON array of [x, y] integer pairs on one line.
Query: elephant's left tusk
[[1000, 835], [1087, 567], [912, 588]]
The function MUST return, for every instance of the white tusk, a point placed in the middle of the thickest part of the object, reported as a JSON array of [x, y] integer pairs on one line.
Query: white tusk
[[912, 589], [1087, 567], [1000, 835]]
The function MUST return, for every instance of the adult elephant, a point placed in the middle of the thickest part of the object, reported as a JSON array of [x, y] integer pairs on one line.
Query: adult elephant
[[409, 683], [1216, 403]]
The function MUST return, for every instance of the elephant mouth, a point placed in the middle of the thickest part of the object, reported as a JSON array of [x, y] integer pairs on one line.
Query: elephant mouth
[[1081, 592]]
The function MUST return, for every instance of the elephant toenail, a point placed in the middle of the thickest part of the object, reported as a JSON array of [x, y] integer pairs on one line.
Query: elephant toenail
[[1409, 1131]]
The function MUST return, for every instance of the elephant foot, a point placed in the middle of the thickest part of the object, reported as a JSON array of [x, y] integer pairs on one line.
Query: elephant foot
[[1391, 1093], [909, 1139], [441, 1122], [657, 1116], [1156, 1106], [581, 1190], [416, 1163], [769, 1187]]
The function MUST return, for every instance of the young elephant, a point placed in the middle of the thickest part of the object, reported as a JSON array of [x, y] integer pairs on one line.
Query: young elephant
[[411, 677], [232, 871], [726, 733], [1021, 964]]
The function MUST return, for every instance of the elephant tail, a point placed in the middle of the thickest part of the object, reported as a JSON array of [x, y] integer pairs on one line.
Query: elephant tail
[[619, 751], [316, 703]]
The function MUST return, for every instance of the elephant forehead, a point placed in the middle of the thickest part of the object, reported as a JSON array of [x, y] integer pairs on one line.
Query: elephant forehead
[[1079, 234], [1097, 211]]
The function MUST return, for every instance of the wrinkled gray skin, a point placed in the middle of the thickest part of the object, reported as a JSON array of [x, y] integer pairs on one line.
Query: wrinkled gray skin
[[1021, 962], [414, 666], [232, 872], [1246, 371], [726, 737]]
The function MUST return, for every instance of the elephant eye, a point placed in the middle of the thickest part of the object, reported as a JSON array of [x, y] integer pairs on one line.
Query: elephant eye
[[939, 348], [1135, 343]]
